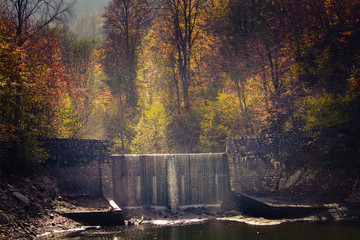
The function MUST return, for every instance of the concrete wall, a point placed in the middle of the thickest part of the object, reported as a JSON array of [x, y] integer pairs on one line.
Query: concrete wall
[[256, 162], [85, 167], [172, 180], [252, 165]]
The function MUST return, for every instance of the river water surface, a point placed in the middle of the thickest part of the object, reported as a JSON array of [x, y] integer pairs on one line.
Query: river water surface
[[227, 230]]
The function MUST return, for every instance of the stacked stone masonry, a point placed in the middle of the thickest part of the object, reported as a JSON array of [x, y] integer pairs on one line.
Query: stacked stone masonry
[[76, 165], [256, 162]]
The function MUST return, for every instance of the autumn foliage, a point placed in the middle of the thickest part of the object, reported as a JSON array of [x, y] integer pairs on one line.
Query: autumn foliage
[[183, 75], [33, 83]]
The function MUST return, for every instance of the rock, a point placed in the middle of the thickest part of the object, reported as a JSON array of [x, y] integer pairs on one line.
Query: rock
[[3, 218], [287, 182], [28, 181], [22, 198], [51, 216], [231, 202], [354, 196], [10, 188], [46, 180]]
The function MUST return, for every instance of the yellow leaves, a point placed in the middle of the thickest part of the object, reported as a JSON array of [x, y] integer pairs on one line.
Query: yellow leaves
[[99, 54], [221, 119], [104, 99], [151, 130], [68, 124], [12, 67], [353, 90], [324, 111], [11, 57]]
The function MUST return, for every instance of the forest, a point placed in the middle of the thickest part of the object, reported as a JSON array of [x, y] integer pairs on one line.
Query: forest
[[179, 76]]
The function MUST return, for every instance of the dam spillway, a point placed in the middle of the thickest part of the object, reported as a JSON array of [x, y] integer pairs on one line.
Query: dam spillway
[[251, 165], [171, 180]]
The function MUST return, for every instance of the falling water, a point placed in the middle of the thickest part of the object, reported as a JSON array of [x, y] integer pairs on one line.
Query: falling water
[[172, 180]]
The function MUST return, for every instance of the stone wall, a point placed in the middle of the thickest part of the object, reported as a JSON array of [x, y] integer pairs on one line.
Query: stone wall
[[107, 179], [256, 162], [76, 165]]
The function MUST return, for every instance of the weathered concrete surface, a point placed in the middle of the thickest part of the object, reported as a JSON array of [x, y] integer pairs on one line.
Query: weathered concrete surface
[[172, 180], [279, 208], [85, 168], [97, 218]]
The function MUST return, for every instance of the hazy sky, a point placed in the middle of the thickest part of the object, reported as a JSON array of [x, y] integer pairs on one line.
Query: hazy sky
[[89, 6]]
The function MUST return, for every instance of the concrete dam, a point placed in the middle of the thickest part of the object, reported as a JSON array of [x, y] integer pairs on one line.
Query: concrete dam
[[251, 165], [172, 180]]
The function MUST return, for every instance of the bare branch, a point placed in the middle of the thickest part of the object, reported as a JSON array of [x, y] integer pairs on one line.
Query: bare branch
[[32, 16]]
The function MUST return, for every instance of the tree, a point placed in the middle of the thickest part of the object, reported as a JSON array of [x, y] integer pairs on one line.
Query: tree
[[32, 16], [88, 26], [36, 85], [11, 67], [184, 16], [78, 58], [125, 23], [151, 131]]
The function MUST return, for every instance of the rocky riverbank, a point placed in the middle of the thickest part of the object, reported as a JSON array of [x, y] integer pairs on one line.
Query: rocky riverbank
[[29, 206], [336, 184]]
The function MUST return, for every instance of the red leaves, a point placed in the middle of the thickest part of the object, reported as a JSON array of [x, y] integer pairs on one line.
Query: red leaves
[[32, 82]]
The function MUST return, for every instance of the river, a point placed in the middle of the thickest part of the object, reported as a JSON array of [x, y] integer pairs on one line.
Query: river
[[225, 229]]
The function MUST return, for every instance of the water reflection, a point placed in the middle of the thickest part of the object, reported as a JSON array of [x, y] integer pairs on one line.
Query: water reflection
[[216, 230]]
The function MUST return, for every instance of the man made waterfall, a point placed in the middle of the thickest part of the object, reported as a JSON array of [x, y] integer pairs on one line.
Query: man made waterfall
[[172, 180]]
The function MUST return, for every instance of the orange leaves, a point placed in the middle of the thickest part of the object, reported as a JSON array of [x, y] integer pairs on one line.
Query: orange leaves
[[10, 55], [11, 75], [32, 81]]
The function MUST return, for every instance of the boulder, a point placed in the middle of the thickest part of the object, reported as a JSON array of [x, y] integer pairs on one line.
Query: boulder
[[286, 182]]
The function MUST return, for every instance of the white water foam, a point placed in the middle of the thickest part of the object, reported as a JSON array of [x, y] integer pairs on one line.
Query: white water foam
[[264, 221], [177, 222]]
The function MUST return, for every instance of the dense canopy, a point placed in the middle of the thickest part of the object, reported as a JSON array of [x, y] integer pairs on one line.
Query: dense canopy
[[180, 75]]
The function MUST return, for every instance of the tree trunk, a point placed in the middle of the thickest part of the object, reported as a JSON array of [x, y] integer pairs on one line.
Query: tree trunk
[[265, 89]]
